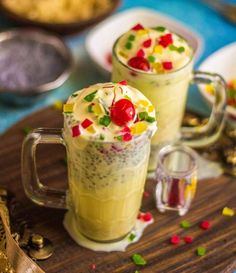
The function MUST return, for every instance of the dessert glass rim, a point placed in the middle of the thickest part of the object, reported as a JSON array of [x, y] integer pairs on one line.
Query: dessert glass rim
[[152, 73], [173, 147]]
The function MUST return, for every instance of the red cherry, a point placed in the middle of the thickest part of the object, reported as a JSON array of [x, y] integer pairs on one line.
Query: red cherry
[[139, 63], [122, 112], [137, 27]]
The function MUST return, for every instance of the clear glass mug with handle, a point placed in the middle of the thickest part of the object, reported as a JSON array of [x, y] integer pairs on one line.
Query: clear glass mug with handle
[[176, 177], [106, 181], [168, 93]]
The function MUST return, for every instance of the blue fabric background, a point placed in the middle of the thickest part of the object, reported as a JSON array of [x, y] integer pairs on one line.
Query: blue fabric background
[[215, 30]]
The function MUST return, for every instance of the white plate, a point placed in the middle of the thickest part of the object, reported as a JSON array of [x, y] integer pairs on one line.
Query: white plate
[[100, 39], [223, 62]]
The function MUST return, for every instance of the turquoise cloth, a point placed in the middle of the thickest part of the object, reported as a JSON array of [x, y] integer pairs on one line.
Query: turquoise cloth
[[215, 30]]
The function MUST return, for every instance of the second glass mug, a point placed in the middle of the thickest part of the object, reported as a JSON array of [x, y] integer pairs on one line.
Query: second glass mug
[[168, 94], [106, 182]]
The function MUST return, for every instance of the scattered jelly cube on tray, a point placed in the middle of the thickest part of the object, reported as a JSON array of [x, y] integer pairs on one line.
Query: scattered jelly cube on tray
[[132, 236], [93, 266], [205, 225], [175, 239], [146, 217], [188, 239], [228, 212], [146, 194], [185, 224], [201, 251], [138, 259]]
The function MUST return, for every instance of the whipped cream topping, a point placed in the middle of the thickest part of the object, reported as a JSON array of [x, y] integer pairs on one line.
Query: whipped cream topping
[[153, 50], [109, 112]]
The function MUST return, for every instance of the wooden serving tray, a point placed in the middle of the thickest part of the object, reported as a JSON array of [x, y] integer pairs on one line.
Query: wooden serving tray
[[161, 256]]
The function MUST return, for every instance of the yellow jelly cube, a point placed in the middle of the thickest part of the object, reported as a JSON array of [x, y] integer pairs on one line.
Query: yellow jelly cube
[[122, 54], [151, 108], [142, 32], [98, 109], [228, 212], [158, 49], [210, 88], [91, 129], [68, 107], [58, 105], [158, 67], [139, 127], [143, 103]]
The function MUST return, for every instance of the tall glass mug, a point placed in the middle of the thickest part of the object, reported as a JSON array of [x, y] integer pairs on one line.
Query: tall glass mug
[[106, 174], [163, 77]]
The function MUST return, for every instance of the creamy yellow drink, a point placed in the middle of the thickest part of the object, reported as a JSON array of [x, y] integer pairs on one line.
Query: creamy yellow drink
[[158, 63], [107, 130]]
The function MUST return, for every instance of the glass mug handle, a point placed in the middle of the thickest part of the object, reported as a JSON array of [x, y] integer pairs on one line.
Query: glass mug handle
[[34, 189], [200, 136]]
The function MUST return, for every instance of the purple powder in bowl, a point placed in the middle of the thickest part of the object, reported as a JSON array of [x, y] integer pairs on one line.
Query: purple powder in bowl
[[25, 63]]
